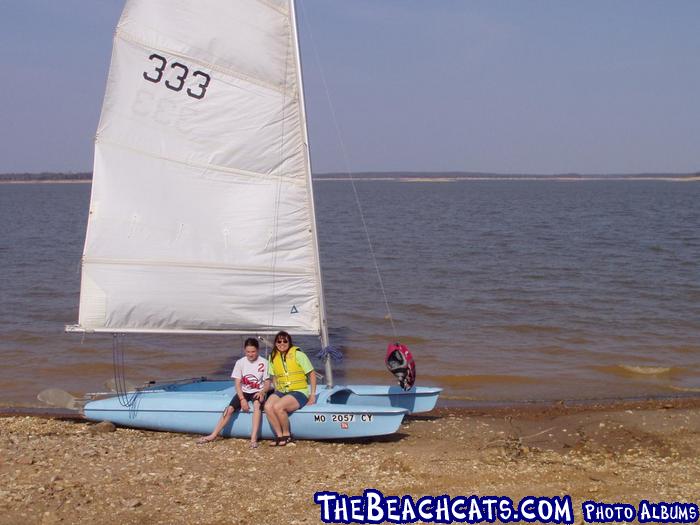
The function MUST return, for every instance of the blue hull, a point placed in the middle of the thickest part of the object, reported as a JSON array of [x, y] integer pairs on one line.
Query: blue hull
[[196, 406], [415, 400]]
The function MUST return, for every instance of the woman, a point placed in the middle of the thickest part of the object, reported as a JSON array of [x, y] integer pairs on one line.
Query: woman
[[295, 386], [252, 380]]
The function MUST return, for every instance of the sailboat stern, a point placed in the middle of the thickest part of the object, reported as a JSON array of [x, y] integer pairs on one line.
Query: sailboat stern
[[416, 400]]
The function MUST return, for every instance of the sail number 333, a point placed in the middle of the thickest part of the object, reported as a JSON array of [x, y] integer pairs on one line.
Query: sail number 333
[[177, 74]]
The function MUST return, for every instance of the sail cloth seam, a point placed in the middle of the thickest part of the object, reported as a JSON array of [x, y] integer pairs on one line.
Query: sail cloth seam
[[274, 7], [256, 176], [224, 70], [179, 264], [278, 189]]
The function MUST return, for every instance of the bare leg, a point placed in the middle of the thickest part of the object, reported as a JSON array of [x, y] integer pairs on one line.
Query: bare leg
[[272, 414], [286, 405], [257, 416], [225, 417]]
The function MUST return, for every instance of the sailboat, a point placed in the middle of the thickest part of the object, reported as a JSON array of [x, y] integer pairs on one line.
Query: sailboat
[[202, 214]]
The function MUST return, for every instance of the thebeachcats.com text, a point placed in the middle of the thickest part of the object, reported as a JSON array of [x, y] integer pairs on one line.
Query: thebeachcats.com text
[[375, 507]]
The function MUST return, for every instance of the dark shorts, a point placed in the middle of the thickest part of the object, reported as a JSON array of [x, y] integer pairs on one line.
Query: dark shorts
[[236, 403], [299, 396]]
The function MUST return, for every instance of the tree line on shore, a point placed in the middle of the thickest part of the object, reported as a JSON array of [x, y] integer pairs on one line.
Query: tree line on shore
[[44, 176]]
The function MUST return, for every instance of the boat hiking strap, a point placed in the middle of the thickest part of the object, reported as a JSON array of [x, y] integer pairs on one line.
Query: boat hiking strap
[[348, 171], [123, 396]]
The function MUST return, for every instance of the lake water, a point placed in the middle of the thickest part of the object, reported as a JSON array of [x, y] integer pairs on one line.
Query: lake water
[[503, 290]]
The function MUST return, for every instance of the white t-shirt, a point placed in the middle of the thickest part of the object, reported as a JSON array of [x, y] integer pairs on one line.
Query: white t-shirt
[[252, 375]]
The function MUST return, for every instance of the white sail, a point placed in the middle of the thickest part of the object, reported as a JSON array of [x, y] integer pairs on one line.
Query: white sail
[[201, 215]]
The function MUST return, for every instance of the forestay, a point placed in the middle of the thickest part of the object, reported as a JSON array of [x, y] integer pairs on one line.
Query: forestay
[[201, 215]]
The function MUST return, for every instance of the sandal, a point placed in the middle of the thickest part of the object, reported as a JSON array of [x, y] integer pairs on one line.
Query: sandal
[[253, 444], [206, 439], [281, 441]]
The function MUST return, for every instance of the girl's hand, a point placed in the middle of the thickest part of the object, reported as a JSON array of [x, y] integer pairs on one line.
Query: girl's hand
[[312, 400], [245, 406]]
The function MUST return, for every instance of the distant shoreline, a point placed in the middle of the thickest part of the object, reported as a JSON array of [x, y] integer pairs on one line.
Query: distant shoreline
[[534, 178], [45, 177], [415, 177], [48, 181]]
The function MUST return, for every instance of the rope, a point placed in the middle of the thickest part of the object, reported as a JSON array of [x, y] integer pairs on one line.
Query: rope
[[266, 344], [330, 352], [119, 373], [348, 172]]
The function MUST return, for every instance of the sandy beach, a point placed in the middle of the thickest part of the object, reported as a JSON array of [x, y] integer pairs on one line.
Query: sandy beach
[[58, 470]]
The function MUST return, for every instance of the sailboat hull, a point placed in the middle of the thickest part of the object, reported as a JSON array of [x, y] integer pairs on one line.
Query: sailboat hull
[[196, 406], [415, 400]]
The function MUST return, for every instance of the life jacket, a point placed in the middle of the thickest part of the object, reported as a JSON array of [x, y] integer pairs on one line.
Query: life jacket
[[289, 376], [400, 362]]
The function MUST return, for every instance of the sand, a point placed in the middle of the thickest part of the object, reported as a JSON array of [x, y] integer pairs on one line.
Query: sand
[[70, 471]]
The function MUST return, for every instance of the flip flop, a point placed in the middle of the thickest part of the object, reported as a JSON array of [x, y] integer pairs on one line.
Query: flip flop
[[206, 439], [254, 444]]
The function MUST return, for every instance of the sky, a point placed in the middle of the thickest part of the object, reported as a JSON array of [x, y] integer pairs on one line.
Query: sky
[[499, 86]]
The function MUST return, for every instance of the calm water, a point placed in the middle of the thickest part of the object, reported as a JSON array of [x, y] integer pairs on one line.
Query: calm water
[[503, 290]]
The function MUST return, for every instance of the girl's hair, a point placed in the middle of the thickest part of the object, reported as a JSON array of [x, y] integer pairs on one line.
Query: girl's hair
[[284, 334], [251, 341]]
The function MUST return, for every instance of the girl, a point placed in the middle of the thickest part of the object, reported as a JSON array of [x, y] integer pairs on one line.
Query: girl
[[252, 381]]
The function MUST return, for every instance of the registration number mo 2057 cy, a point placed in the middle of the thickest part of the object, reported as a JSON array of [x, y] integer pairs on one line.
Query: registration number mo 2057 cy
[[342, 418]]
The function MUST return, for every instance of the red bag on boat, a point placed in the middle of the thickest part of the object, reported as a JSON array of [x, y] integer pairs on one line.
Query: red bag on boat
[[400, 362]]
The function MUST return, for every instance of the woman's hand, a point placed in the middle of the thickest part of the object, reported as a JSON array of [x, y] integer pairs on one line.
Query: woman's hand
[[312, 400]]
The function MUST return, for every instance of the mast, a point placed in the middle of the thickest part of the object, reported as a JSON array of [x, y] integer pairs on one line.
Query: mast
[[312, 210]]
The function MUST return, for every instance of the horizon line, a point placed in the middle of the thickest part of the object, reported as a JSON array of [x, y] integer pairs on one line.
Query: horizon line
[[402, 174]]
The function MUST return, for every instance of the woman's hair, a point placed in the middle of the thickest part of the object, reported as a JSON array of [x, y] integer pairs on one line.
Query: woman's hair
[[284, 334], [251, 341]]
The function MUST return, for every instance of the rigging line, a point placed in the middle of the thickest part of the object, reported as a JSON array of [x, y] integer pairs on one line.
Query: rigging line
[[119, 379], [119, 374], [348, 172]]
